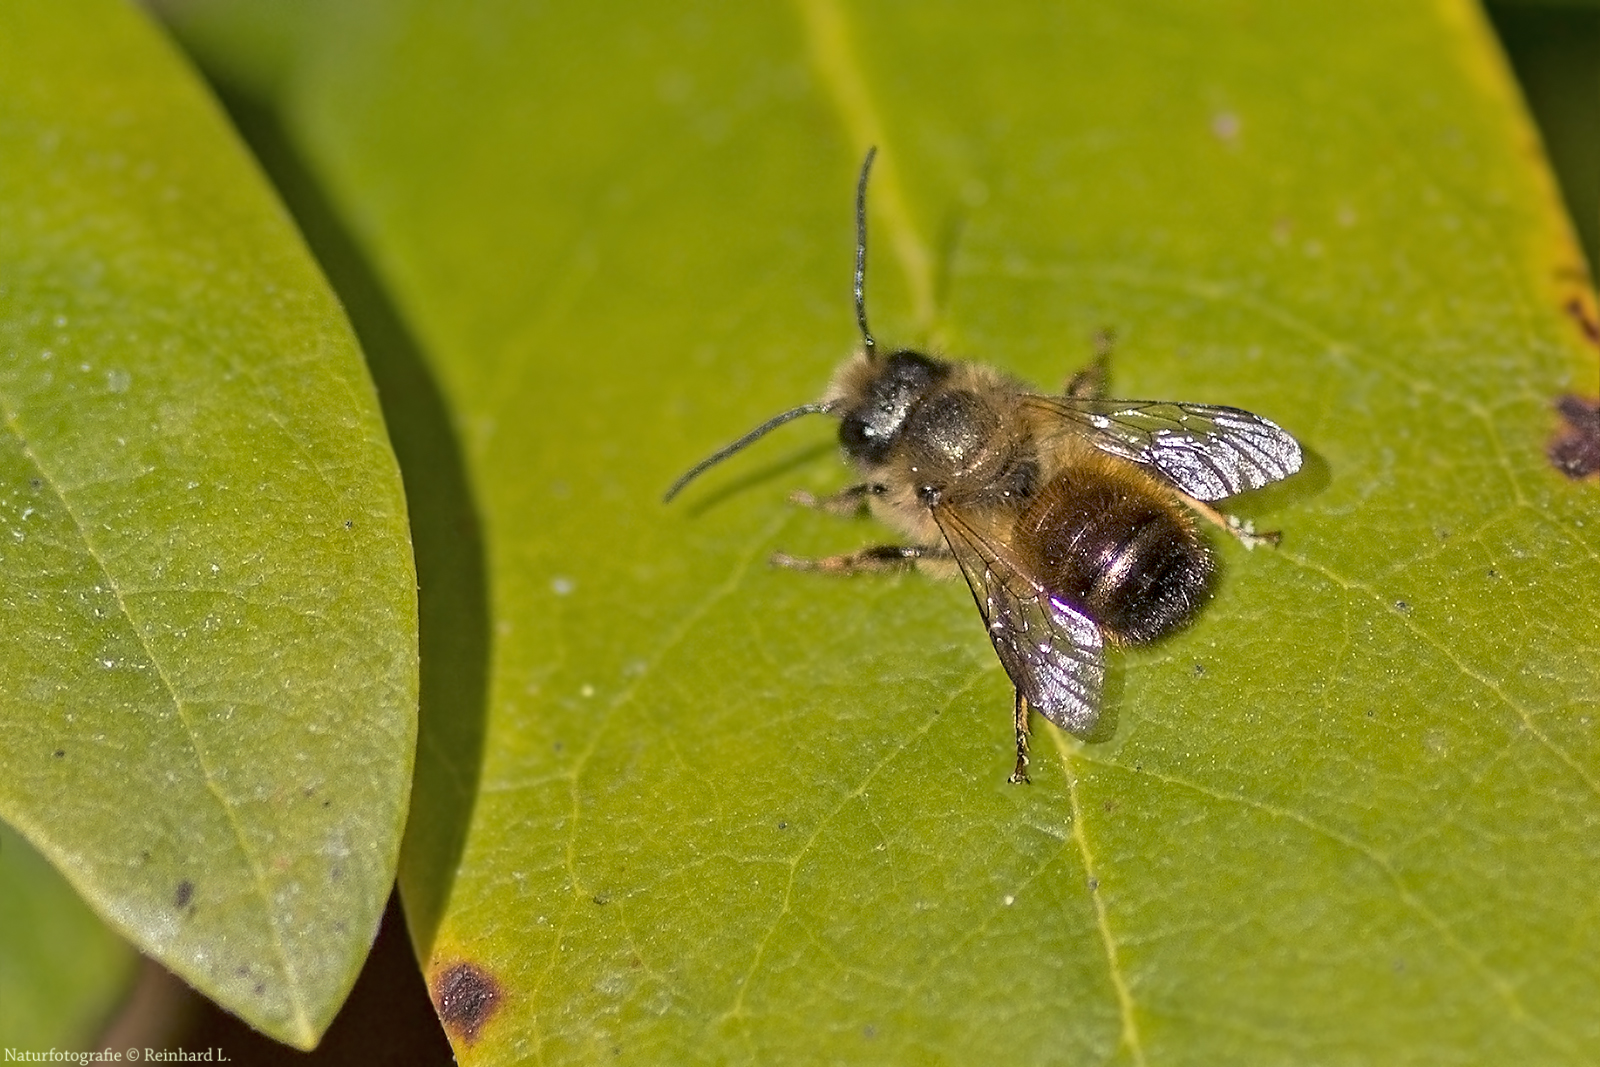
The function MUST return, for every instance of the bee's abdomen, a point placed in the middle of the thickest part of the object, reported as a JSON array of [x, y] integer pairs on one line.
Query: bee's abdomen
[[1114, 545]]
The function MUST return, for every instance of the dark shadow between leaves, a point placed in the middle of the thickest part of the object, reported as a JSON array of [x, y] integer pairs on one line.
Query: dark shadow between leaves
[[446, 533]]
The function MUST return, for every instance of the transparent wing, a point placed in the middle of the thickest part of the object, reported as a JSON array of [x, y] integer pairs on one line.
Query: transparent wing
[[1051, 651], [1208, 452]]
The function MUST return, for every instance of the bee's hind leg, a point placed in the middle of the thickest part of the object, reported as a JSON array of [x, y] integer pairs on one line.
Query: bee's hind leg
[[1090, 382], [1019, 776], [875, 558], [1240, 528]]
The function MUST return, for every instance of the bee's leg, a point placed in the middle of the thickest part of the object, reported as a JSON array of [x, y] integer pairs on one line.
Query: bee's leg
[[1090, 382], [847, 501], [1240, 528], [1020, 775], [873, 558]]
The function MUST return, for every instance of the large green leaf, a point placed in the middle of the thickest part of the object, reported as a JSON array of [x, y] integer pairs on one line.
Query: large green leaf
[[723, 813], [207, 690]]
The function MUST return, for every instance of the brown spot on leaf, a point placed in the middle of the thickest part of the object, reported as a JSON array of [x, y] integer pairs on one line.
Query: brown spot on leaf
[[1575, 451], [465, 996], [183, 894]]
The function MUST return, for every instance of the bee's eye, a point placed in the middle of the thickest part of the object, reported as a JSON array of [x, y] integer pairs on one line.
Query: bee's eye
[[869, 430], [861, 441]]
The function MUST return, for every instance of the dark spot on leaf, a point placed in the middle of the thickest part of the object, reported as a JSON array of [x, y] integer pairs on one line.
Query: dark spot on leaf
[[348, 524], [1443, 535], [1402, 607], [1493, 573], [327, 803], [1094, 885], [783, 825], [60, 752], [1372, 713], [869, 1031], [465, 996], [260, 989], [1199, 669], [1575, 450], [1586, 322], [1110, 807], [34, 483], [558, 746], [602, 899], [183, 894]]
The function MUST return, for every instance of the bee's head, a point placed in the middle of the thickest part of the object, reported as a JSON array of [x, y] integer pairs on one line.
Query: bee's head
[[875, 405]]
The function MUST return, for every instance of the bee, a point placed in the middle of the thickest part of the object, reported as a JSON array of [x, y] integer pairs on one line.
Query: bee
[[1071, 516]]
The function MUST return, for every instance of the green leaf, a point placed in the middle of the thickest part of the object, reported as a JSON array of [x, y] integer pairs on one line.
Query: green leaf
[[61, 970], [209, 685], [721, 813]]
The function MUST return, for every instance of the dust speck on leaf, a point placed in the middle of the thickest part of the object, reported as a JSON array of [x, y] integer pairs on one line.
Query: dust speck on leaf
[[465, 996]]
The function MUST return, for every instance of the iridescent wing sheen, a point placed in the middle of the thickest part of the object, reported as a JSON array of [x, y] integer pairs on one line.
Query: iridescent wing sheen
[[1051, 650], [1206, 451]]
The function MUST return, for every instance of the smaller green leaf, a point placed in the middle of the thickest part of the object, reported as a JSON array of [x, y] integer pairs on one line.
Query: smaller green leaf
[[61, 970], [208, 687]]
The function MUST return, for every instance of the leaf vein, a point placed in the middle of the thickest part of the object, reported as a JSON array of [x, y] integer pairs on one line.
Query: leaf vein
[[302, 1019]]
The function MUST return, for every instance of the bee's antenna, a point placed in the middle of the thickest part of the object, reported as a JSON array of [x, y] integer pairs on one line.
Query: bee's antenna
[[861, 254], [819, 408]]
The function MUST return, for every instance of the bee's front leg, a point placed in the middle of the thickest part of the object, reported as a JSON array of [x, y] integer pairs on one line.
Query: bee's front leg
[[851, 500]]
